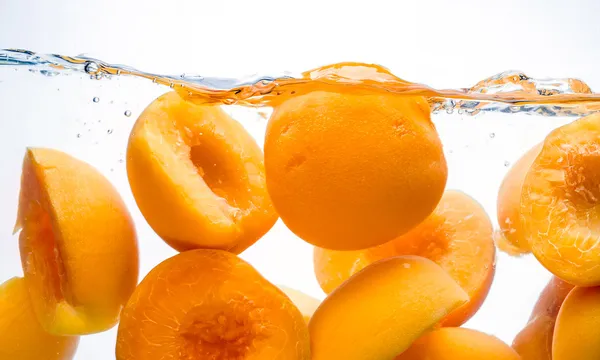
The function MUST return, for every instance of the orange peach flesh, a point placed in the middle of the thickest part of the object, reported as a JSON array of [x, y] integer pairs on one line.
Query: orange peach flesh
[[79, 271], [378, 312], [511, 238], [198, 176], [210, 304], [560, 202], [21, 335], [534, 342], [457, 343], [458, 236]]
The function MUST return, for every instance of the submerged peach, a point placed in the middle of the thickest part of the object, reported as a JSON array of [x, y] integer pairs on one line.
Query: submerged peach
[[534, 342], [348, 171], [511, 238], [78, 244], [458, 236], [378, 312], [198, 176], [577, 331], [560, 202], [21, 335], [458, 344], [210, 304], [305, 303]]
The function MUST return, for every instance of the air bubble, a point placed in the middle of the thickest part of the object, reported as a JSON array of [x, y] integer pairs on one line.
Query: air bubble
[[127, 113], [78, 135], [91, 67], [155, 80], [109, 131], [449, 111], [506, 163], [118, 71], [99, 76], [96, 99], [492, 135]]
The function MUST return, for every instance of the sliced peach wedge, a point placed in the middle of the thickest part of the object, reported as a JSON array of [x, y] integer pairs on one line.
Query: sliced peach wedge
[[21, 335], [560, 202], [198, 176], [379, 311], [78, 244]]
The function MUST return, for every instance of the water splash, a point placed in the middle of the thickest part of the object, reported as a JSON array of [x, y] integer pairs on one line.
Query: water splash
[[506, 92]]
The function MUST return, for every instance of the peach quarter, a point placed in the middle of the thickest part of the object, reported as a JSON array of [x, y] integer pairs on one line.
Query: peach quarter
[[78, 244]]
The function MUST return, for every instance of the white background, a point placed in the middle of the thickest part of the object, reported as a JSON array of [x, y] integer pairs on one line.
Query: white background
[[441, 43]]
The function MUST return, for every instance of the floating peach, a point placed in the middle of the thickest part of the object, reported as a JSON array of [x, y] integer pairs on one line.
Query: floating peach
[[198, 176], [560, 200], [21, 335], [347, 171], [534, 342], [458, 236], [210, 304], [511, 237], [378, 312], [577, 331], [78, 244], [305, 303], [454, 343]]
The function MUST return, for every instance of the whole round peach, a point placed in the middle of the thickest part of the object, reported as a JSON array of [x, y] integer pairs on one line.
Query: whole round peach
[[348, 171]]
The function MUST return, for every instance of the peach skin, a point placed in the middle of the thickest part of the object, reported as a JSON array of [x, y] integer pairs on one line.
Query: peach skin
[[78, 244], [378, 312], [577, 330], [210, 304], [511, 238], [560, 202], [198, 176], [534, 342], [458, 236], [454, 343], [348, 172]]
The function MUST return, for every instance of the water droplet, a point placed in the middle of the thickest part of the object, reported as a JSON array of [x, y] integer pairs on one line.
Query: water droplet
[[506, 163], [96, 99], [460, 111], [449, 110], [127, 113], [78, 135], [91, 67], [109, 131], [492, 135]]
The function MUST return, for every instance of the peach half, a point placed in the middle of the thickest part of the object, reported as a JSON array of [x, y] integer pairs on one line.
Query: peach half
[[198, 176]]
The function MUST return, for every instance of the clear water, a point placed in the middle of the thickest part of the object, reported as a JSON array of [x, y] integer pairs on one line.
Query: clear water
[[87, 107]]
